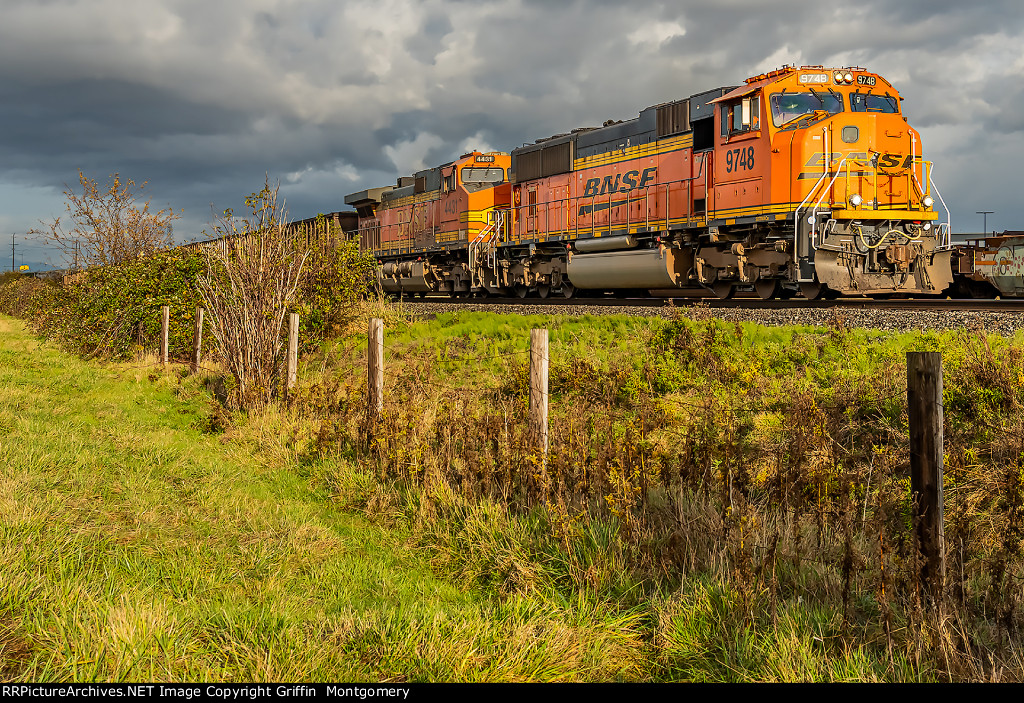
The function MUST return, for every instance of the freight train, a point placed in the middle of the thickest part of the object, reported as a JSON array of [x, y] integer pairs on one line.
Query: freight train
[[805, 180]]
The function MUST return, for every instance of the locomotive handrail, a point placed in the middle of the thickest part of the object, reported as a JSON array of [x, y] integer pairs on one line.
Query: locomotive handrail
[[943, 231], [946, 244], [814, 213], [863, 164], [487, 240], [796, 227], [913, 172]]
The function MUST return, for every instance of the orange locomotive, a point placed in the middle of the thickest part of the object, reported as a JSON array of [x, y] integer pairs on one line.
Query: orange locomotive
[[804, 179], [428, 230]]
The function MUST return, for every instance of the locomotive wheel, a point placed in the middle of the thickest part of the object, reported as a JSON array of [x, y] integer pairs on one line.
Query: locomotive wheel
[[723, 290], [568, 290], [813, 290], [768, 288], [521, 290], [543, 291]]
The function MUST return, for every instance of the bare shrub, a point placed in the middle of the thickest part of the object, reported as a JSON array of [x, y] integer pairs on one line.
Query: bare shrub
[[106, 226], [252, 273]]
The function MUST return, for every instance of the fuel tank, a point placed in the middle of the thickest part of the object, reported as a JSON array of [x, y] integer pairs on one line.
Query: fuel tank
[[644, 268], [407, 277]]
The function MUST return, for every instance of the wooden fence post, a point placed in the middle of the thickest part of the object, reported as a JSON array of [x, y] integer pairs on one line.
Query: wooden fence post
[[293, 352], [539, 389], [924, 405], [375, 369], [197, 340], [165, 331]]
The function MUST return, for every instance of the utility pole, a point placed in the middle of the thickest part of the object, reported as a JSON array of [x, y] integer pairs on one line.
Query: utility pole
[[13, 237], [984, 220]]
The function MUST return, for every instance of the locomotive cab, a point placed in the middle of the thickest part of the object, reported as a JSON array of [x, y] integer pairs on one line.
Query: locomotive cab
[[742, 151], [820, 165], [848, 166]]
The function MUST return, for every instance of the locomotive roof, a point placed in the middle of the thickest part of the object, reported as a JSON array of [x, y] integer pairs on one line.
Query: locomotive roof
[[588, 140], [427, 180]]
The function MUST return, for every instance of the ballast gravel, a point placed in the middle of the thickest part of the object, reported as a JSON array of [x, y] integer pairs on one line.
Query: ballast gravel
[[889, 320]]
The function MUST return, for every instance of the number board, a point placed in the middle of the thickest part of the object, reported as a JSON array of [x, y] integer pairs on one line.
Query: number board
[[485, 159], [737, 159], [865, 80], [813, 78]]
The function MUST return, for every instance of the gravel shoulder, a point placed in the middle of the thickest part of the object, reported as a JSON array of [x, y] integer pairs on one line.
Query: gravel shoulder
[[1005, 323]]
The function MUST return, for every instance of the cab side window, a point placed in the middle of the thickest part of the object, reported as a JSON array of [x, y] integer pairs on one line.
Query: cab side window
[[448, 182], [741, 116]]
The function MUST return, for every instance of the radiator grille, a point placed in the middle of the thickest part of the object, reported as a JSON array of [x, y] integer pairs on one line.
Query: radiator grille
[[673, 118]]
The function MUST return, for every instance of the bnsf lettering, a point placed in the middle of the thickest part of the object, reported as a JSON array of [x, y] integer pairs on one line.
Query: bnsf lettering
[[608, 186], [596, 186], [819, 158], [887, 161], [892, 161]]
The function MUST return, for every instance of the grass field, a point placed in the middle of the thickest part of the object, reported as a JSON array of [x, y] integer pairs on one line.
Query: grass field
[[695, 522], [134, 546]]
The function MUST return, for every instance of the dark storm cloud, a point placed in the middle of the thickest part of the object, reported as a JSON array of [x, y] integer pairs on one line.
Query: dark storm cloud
[[48, 120], [426, 43], [203, 99]]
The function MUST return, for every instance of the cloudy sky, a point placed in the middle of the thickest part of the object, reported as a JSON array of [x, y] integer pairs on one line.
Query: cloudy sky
[[201, 98]]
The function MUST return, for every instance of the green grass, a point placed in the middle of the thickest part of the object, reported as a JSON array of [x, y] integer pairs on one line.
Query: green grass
[[135, 547], [137, 544]]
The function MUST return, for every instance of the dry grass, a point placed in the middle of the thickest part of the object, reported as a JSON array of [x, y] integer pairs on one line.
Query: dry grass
[[768, 467], [721, 503]]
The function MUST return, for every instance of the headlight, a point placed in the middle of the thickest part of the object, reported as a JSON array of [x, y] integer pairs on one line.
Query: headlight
[[810, 220], [838, 76], [856, 200], [926, 226], [848, 77], [928, 202]]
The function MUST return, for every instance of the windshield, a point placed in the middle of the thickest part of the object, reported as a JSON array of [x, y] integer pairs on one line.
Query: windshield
[[787, 107], [869, 102], [483, 175]]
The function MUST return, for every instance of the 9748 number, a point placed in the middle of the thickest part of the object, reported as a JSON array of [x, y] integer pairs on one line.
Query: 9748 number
[[736, 159]]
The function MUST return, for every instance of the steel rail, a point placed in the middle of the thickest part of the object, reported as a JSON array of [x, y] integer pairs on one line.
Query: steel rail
[[907, 305]]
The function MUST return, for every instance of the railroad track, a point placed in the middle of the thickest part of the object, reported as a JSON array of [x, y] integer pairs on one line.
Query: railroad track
[[748, 303]]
